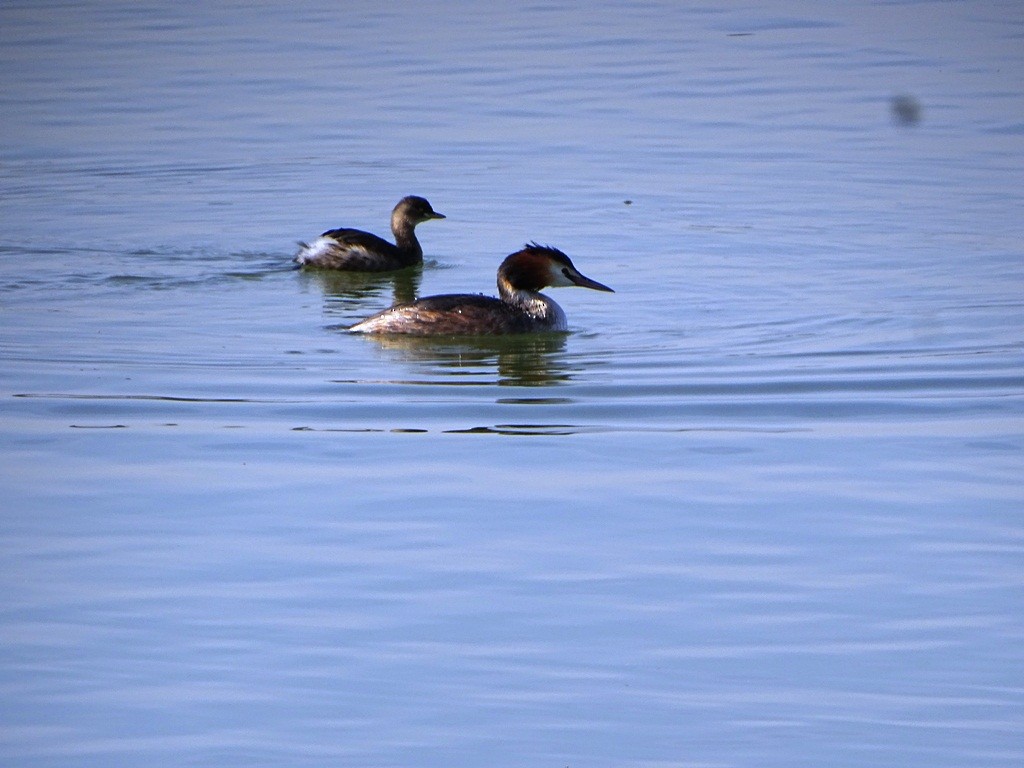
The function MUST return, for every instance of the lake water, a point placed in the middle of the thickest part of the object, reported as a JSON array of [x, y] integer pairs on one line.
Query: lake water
[[762, 506]]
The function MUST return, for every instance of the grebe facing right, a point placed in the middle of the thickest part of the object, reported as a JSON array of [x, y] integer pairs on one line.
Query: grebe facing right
[[358, 251], [520, 308]]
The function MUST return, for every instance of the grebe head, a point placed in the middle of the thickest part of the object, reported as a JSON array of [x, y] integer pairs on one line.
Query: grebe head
[[414, 210], [539, 266]]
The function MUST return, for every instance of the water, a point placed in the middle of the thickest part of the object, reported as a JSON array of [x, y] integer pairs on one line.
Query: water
[[762, 506]]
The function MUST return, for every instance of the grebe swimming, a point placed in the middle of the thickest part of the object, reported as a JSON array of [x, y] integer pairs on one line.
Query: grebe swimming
[[358, 251], [520, 308]]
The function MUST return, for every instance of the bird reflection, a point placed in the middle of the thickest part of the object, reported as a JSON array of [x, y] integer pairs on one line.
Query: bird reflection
[[524, 360], [345, 291]]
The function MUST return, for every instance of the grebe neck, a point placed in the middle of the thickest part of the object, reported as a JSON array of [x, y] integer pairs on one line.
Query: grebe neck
[[533, 303], [405, 235]]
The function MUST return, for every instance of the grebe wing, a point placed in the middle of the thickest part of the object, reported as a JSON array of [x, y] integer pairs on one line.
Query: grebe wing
[[346, 236]]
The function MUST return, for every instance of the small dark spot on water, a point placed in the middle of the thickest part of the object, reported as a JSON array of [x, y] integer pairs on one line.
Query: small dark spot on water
[[905, 110], [408, 430]]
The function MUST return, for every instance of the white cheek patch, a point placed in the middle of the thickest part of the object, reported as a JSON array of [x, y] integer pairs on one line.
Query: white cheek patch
[[557, 278]]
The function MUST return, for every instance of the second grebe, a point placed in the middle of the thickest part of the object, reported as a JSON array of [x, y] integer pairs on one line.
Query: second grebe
[[520, 308], [358, 251]]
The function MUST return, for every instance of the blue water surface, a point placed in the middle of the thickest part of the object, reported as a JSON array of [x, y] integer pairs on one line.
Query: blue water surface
[[762, 506]]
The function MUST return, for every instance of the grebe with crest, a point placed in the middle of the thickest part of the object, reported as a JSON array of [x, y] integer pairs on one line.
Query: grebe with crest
[[519, 308], [358, 251]]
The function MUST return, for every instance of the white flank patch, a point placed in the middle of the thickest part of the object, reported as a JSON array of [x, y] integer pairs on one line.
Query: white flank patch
[[318, 248]]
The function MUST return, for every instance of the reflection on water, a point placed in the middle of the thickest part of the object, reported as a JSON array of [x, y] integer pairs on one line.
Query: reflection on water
[[525, 360], [346, 291], [553, 430]]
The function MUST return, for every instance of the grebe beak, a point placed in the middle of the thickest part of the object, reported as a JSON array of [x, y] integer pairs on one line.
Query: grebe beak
[[585, 282], [436, 215]]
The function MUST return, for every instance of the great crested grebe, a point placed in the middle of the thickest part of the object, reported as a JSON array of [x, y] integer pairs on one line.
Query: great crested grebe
[[519, 308], [358, 251]]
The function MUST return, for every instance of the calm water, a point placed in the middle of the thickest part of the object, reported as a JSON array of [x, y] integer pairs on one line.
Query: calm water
[[761, 507]]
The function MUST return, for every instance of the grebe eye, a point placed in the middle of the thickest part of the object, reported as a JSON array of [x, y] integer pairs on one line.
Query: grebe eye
[[565, 271]]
